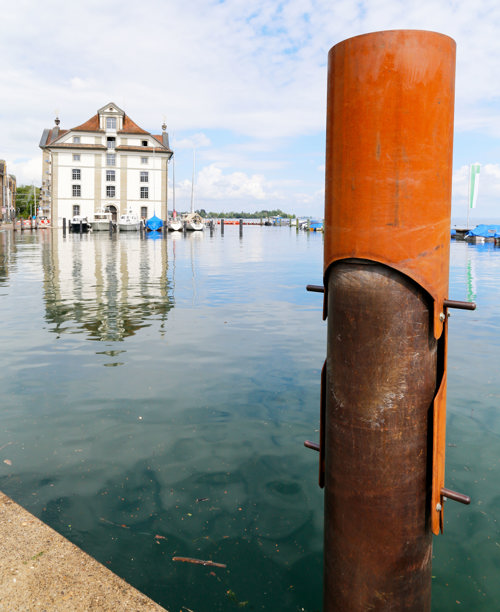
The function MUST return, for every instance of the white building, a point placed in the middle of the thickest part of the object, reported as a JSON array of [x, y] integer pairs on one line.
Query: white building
[[106, 163]]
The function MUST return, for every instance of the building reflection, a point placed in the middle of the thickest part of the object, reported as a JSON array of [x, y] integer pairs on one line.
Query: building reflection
[[107, 287]]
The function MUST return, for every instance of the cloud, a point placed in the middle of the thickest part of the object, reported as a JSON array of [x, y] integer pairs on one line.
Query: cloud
[[213, 186], [256, 71], [194, 142]]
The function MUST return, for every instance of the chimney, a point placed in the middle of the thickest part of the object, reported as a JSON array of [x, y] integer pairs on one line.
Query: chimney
[[55, 131]]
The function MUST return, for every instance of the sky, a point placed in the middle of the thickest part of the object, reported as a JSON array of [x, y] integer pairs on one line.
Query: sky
[[241, 83]]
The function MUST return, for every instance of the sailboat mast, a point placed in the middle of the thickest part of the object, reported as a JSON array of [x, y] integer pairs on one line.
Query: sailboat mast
[[173, 186], [192, 186]]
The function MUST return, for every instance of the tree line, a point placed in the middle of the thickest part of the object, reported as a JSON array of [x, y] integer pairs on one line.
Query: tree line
[[261, 214], [27, 199]]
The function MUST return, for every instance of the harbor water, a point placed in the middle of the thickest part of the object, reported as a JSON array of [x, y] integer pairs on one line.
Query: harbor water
[[156, 394]]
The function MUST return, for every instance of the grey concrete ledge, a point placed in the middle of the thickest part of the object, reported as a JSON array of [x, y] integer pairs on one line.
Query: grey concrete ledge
[[41, 570]]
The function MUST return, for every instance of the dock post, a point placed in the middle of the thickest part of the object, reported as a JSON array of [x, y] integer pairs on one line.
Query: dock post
[[222, 227], [241, 228], [386, 259], [81, 226], [64, 226]]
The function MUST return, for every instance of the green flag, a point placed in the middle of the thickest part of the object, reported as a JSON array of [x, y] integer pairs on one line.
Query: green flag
[[475, 169]]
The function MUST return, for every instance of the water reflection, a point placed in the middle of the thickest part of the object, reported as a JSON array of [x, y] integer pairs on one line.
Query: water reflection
[[107, 287]]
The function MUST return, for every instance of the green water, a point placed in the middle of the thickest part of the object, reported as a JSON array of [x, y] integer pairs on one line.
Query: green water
[[155, 399]]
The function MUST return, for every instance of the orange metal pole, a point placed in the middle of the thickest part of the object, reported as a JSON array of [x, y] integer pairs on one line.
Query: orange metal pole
[[387, 232]]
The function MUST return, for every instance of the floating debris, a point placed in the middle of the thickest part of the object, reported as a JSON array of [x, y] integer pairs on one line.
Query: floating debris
[[114, 524], [199, 561]]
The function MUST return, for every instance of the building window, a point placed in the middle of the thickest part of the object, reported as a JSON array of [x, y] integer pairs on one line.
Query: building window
[[111, 142], [144, 143], [110, 159], [110, 191], [144, 212], [110, 175], [76, 156], [144, 160], [77, 191], [111, 123], [144, 193], [76, 139], [77, 174], [145, 177], [76, 210]]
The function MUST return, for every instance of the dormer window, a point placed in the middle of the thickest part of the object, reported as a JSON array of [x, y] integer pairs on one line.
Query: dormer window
[[144, 143], [76, 139], [111, 123]]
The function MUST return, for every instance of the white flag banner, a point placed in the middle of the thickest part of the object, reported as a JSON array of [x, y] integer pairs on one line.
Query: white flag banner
[[475, 170]]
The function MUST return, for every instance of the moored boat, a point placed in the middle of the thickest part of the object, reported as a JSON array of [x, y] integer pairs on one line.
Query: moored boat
[[129, 222], [193, 222], [174, 225], [154, 224], [79, 224], [101, 220], [483, 232]]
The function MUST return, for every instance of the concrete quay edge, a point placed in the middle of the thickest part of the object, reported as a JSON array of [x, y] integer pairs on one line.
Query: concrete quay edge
[[41, 570]]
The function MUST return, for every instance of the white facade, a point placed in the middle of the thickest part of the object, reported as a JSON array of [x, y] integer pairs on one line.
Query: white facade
[[109, 163]]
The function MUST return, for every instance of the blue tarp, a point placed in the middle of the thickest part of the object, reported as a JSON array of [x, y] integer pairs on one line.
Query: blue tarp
[[486, 231], [315, 225], [155, 223]]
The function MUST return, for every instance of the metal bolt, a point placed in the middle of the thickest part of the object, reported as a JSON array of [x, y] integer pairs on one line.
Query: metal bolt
[[438, 507], [442, 316]]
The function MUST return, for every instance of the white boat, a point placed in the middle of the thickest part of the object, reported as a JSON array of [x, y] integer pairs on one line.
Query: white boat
[[101, 220], [129, 222], [193, 222], [175, 225], [79, 224]]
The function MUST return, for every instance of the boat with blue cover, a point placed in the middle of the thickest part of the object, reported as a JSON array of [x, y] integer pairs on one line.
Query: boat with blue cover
[[154, 224], [483, 232]]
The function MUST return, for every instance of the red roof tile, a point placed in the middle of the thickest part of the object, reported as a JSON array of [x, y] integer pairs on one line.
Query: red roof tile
[[92, 125], [129, 127]]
